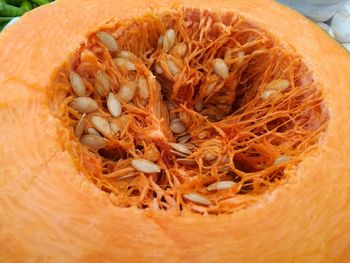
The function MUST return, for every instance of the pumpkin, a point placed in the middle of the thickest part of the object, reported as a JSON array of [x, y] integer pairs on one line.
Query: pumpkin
[[97, 168]]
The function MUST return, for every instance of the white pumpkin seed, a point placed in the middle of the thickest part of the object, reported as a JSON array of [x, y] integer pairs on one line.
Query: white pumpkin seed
[[78, 84], [268, 94], [198, 198], [107, 40], [177, 126], [222, 185], [277, 85], [80, 126], [84, 104], [101, 124], [142, 85], [183, 139], [126, 54], [125, 64], [199, 105], [209, 157], [127, 91], [114, 106], [221, 68], [179, 50], [114, 128], [94, 142], [179, 154], [173, 68], [281, 159], [168, 40], [145, 166], [210, 88], [93, 131], [159, 70], [102, 84], [180, 148]]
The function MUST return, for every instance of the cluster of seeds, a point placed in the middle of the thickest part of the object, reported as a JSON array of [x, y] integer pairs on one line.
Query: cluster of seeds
[[203, 114]]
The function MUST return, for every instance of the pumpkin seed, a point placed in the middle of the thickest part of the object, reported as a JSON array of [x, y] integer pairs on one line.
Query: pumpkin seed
[[159, 70], [183, 139], [142, 85], [101, 124], [93, 131], [186, 162], [203, 134], [84, 104], [107, 40], [102, 83], [125, 64], [210, 88], [145, 166], [177, 126], [77, 84], [221, 68], [222, 185], [197, 198], [168, 40], [179, 154], [114, 106], [278, 85], [199, 105], [209, 157], [94, 142], [127, 91], [173, 68], [126, 54], [180, 148], [179, 50], [152, 153], [114, 128], [80, 126], [269, 94], [281, 159]]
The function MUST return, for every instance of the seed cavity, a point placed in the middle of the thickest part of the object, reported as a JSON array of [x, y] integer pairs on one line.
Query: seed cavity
[[84, 104], [108, 41], [77, 84], [145, 166], [114, 106]]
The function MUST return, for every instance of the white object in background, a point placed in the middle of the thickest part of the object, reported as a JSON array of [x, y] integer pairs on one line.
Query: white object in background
[[327, 28], [317, 10], [340, 24], [13, 20], [347, 46]]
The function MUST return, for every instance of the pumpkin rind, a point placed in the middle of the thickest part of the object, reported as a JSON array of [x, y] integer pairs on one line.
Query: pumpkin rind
[[48, 211]]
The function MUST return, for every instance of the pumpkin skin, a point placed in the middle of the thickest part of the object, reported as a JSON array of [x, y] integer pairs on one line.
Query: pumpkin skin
[[50, 213]]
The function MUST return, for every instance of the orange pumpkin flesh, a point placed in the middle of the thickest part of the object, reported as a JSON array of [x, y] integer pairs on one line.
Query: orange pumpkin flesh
[[50, 211]]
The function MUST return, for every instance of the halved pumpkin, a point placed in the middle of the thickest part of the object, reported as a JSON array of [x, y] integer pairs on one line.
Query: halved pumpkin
[[60, 199]]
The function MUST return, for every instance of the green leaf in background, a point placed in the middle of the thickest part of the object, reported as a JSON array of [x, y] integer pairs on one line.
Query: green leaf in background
[[26, 5], [5, 20], [10, 10], [41, 2], [14, 2]]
